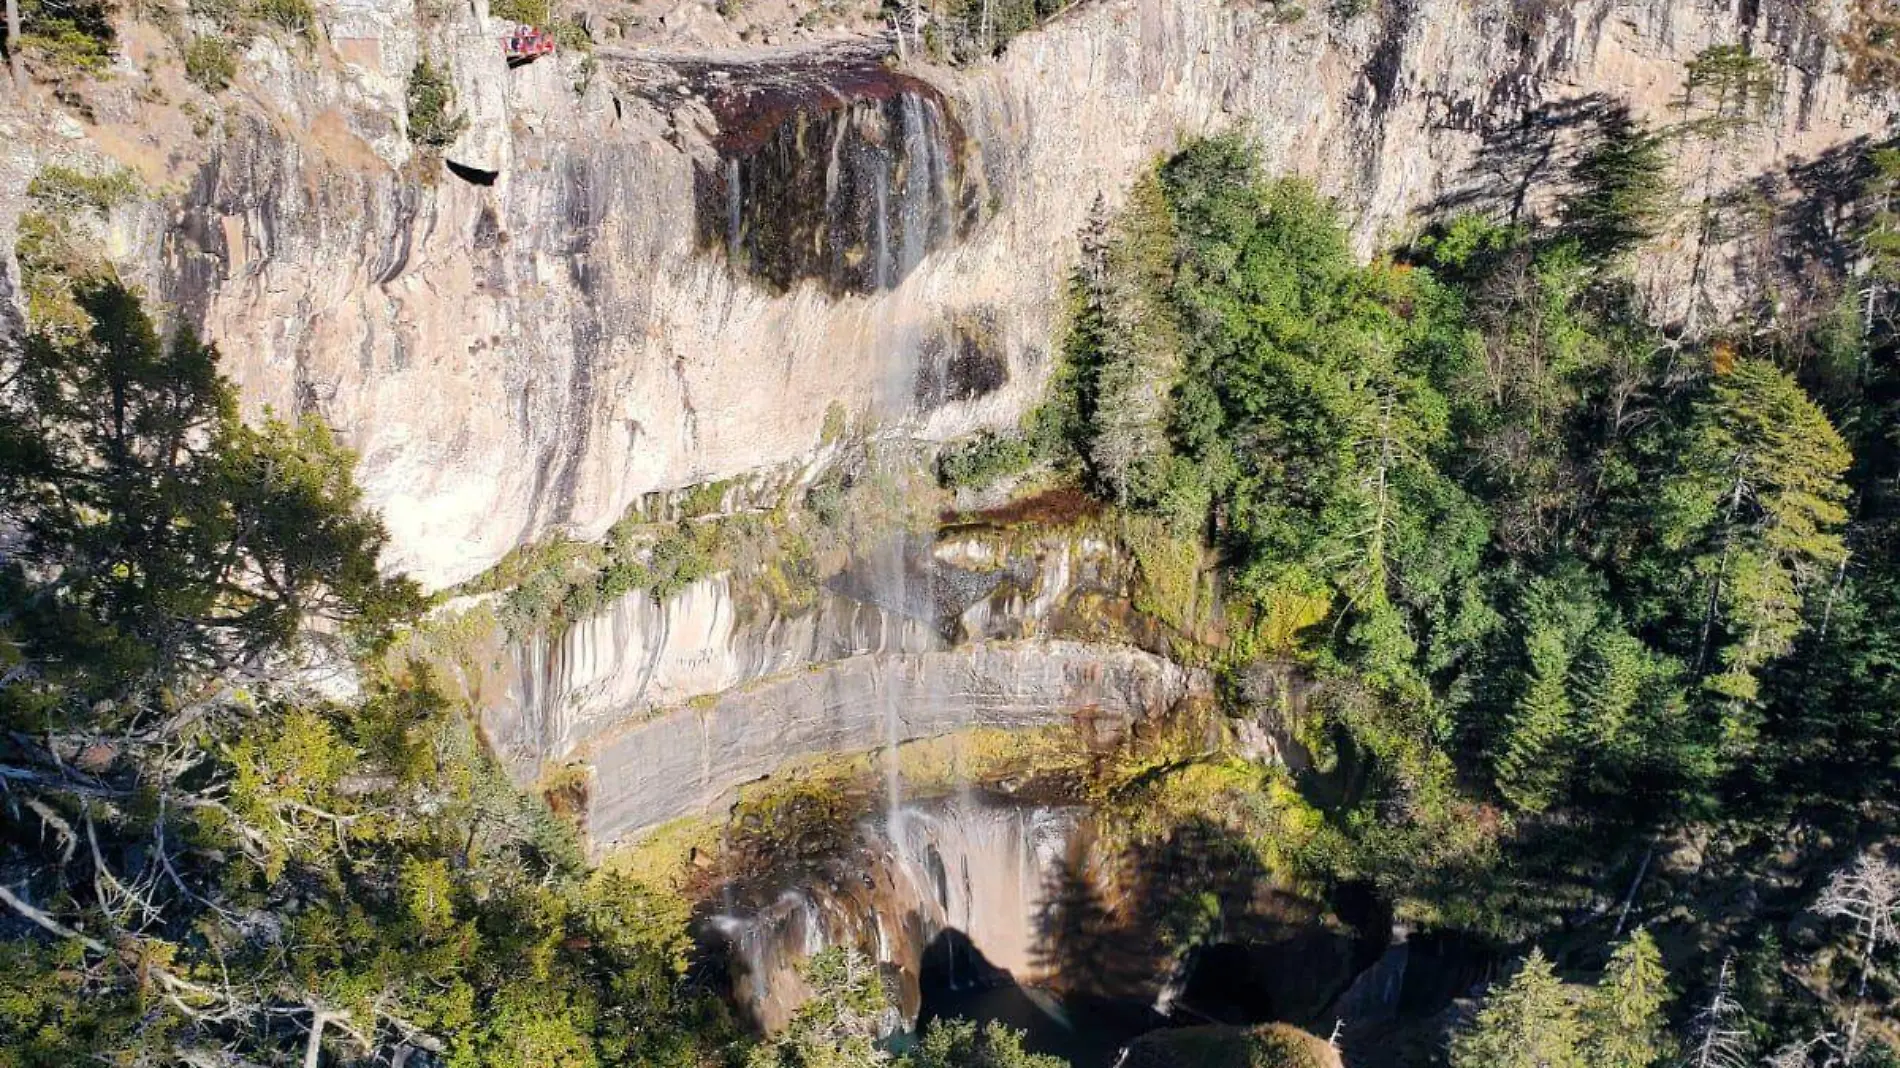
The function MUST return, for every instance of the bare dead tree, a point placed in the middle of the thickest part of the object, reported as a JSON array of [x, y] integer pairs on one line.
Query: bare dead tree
[[1867, 892], [1721, 1037], [1801, 1054]]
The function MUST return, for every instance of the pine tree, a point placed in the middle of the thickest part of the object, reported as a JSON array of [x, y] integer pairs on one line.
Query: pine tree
[[1137, 352], [1765, 471], [1624, 183], [1624, 1020], [1530, 1022], [838, 1025], [1533, 766]]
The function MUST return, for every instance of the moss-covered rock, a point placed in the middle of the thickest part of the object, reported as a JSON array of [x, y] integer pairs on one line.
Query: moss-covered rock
[[1268, 1046]]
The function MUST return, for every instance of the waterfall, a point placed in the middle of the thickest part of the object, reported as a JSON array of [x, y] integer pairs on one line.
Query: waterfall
[[886, 271], [852, 186], [979, 869], [892, 575], [915, 166], [735, 216]]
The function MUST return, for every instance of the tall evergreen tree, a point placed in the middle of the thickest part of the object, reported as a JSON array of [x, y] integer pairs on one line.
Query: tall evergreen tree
[[1762, 494], [1532, 1021], [1624, 1023]]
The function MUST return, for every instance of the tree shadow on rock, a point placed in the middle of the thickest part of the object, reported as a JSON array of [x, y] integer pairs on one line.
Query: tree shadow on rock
[[1083, 944], [1199, 911], [1538, 152]]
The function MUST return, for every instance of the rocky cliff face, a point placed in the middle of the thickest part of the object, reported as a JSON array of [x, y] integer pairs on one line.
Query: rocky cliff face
[[671, 705], [653, 268], [966, 886]]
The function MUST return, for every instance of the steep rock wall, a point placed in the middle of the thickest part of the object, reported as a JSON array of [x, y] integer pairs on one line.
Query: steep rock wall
[[686, 761], [534, 353], [670, 704], [946, 879], [640, 655]]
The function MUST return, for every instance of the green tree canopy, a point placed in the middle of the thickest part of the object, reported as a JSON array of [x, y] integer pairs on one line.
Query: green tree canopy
[[1532, 1021]]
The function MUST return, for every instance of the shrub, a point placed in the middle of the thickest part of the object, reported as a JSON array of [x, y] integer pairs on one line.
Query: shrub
[[433, 121], [678, 560], [210, 63], [571, 36], [71, 37], [64, 189], [704, 499], [837, 421], [532, 12], [291, 16], [961, 31], [984, 459], [229, 15], [56, 246]]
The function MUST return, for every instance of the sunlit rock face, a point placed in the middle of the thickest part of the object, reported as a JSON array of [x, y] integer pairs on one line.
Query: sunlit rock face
[[598, 322], [902, 626], [983, 889], [687, 760], [972, 884]]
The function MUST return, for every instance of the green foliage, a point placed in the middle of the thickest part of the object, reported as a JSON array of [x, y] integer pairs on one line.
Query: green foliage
[[837, 421], [289, 16], [704, 499], [1169, 586], [363, 867], [961, 1044], [1726, 88], [569, 34], [178, 536], [53, 1013], [1623, 186], [985, 459], [1757, 510], [433, 120], [1530, 1022], [1131, 351], [62, 38], [1266, 1046], [241, 18], [1624, 1022], [532, 12], [1557, 566], [57, 240], [210, 63], [838, 1025], [965, 31]]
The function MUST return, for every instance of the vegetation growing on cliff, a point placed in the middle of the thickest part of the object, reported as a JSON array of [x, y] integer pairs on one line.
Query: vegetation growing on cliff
[[1585, 579], [434, 121], [207, 858]]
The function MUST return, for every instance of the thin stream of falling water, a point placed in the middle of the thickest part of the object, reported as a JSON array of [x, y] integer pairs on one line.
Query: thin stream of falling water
[[917, 198], [881, 228], [896, 596], [734, 213]]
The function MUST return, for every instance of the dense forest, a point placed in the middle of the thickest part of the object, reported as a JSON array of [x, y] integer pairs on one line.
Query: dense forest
[[1579, 588], [1576, 589]]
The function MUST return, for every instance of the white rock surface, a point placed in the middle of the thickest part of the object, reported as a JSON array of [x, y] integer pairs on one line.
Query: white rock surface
[[533, 355]]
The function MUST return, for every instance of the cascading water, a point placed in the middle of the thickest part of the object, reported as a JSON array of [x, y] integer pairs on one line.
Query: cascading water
[[852, 186], [892, 573], [976, 871]]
